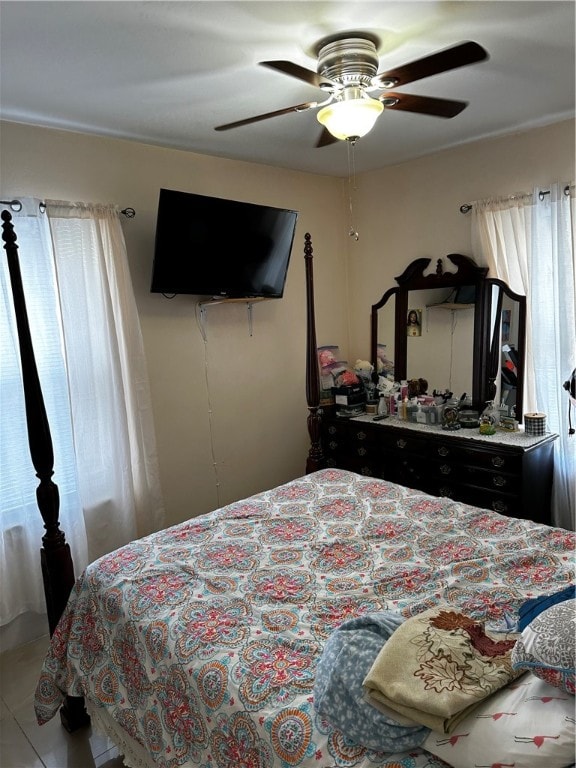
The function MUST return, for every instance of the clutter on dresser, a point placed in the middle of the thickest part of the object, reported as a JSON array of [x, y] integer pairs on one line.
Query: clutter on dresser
[[356, 390], [331, 368], [468, 418], [509, 424], [489, 418], [450, 416], [535, 424]]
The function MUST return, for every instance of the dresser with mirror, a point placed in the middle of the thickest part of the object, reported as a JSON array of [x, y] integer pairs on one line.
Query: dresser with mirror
[[461, 331]]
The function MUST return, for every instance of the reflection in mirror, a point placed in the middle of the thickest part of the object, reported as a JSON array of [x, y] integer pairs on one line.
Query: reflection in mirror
[[449, 347], [385, 338], [443, 351], [383, 335], [507, 312], [471, 337]]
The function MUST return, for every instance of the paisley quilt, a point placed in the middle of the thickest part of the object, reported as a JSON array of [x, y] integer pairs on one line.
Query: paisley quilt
[[201, 641]]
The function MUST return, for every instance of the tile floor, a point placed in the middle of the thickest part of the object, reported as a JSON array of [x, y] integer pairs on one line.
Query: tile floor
[[25, 744]]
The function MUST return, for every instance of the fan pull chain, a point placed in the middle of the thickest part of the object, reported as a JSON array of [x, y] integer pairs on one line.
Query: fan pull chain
[[351, 144]]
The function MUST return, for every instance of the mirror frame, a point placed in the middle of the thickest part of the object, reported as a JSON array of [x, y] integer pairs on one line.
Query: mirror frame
[[414, 278], [492, 364]]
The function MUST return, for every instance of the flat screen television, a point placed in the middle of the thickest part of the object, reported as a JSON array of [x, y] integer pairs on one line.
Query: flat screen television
[[211, 246]]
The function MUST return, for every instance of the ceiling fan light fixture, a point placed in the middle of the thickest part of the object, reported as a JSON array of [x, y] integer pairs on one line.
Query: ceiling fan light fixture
[[350, 118]]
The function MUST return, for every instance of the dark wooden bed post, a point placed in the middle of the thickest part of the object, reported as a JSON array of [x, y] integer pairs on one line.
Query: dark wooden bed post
[[55, 556], [315, 459]]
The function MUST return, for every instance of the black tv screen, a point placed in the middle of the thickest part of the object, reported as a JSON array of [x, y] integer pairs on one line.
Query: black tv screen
[[211, 246]]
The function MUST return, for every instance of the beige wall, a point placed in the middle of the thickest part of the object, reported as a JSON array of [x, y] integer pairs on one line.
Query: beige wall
[[412, 210], [238, 400]]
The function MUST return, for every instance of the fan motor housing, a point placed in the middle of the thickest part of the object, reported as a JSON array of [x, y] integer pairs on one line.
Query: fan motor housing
[[353, 61]]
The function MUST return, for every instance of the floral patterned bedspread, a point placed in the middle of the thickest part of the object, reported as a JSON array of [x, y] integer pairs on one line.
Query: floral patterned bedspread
[[201, 641]]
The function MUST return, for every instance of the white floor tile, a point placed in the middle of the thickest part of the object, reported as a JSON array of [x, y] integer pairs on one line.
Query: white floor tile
[[20, 670], [110, 759], [56, 746], [15, 750], [24, 743]]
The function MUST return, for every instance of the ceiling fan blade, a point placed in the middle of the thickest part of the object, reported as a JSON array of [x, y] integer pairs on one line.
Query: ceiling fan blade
[[301, 73], [425, 105], [296, 108], [326, 138], [457, 56]]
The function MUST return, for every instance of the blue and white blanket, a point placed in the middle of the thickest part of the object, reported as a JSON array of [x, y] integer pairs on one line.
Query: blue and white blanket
[[348, 656]]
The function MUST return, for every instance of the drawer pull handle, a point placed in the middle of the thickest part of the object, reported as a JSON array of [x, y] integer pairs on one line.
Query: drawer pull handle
[[499, 506], [498, 461], [443, 451], [332, 430], [445, 469], [446, 492], [361, 435], [401, 443], [366, 471], [362, 451], [499, 481], [333, 445]]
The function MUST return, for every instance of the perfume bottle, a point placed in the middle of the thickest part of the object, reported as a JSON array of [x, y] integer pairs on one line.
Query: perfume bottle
[[382, 404], [492, 412], [489, 419]]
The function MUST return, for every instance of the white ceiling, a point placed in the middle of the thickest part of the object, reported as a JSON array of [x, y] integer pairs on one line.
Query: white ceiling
[[166, 73]]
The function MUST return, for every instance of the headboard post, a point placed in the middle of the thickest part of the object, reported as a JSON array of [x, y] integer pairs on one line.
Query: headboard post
[[315, 459], [55, 557]]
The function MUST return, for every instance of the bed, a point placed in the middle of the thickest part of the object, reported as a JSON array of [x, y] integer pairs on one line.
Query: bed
[[202, 645]]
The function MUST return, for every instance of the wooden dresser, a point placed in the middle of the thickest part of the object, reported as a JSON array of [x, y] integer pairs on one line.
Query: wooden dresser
[[510, 473]]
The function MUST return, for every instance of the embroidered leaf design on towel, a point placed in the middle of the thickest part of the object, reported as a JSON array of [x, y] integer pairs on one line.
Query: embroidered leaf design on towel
[[450, 620], [441, 673], [456, 655]]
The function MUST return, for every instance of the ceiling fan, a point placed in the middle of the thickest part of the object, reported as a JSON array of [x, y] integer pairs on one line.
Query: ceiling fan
[[347, 73]]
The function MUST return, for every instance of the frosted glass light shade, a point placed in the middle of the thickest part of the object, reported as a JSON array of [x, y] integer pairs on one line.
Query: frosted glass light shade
[[351, 118]]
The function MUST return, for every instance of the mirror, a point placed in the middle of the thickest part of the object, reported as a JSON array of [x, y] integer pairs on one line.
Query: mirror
[[440, 348], [384, 334], [506, 314], [457, 329]]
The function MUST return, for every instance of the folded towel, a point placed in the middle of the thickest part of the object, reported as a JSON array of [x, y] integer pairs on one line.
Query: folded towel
[[348, 654], [437, 667]]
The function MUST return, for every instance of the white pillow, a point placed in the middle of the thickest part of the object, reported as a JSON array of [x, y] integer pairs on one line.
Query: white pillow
[[547, 646], [527, 723]]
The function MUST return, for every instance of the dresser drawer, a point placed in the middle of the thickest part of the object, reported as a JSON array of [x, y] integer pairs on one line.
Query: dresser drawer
[[487, 458], [349, 438], [477, 476], [404, 443], [505, 504]]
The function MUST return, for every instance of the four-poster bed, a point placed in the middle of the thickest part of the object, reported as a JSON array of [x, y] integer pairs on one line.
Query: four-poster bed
[[199, 645]]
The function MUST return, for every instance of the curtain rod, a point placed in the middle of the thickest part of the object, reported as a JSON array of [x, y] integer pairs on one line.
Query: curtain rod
[[466, 207], [16, 206]]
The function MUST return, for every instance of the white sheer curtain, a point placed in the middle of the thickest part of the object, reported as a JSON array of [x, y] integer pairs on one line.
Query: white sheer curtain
[[528, 241], [91, 364]]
